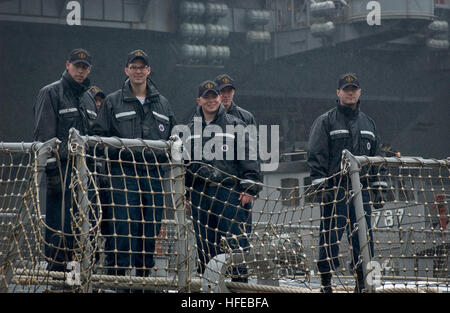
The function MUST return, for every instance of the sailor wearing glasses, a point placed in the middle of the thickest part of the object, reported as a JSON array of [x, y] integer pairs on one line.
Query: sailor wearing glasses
[[133, 215]]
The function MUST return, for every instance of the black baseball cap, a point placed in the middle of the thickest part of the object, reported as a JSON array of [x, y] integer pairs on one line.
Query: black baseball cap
[[137, 54], [95, 91], [80, 56], [348, 79], [224, 80], [206, 86]]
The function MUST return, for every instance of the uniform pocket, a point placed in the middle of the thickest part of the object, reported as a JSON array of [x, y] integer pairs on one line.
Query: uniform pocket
[[91, 114], [69, 113], [339, 139], [163, 124], [124, 116], [367, 141], [125, 121]]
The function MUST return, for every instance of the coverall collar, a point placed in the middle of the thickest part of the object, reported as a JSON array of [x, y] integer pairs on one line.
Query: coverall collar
[[232, 106], [128, 94], [348, 111], [77, 88]]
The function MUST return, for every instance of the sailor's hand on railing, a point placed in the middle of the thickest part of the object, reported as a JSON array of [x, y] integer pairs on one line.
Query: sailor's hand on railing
[[188, 205], [245, 198]]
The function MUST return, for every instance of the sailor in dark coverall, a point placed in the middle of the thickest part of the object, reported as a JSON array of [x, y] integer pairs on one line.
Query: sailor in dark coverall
[[218, 192], [60, 106], [343, 127], [137, 110], [227, 89]]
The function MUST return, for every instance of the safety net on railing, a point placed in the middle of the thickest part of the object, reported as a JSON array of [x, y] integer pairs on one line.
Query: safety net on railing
[[122, 215]]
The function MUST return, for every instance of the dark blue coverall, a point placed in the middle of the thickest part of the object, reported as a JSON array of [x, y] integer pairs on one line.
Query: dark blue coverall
[[60, 106], [338, 129], [139, 210], [217, 212]]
